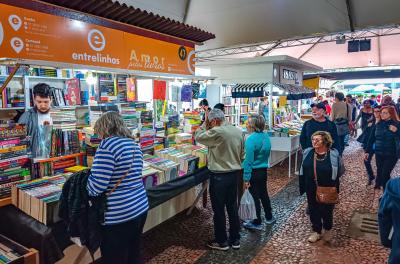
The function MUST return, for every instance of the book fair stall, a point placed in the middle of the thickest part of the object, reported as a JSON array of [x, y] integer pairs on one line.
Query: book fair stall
[[87, 78], [276, 81]]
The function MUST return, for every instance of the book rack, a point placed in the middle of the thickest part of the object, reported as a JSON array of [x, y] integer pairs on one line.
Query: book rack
[[5, 201], [17, 253], [43, 160]]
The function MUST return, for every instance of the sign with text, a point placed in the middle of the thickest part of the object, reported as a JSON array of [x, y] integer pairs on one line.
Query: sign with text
[[31, 35]]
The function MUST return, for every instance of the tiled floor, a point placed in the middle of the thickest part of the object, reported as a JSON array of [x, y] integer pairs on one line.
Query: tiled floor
[[183, 238]]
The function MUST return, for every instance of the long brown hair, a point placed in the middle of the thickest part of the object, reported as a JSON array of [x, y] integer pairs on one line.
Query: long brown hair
[[392, 112]]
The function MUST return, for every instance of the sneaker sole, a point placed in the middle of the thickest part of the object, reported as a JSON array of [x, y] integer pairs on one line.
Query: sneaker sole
[[219, 248], [236, 247], [270, 223]]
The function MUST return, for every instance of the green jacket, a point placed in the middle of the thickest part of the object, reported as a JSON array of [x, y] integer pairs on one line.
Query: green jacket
[[225, 147]]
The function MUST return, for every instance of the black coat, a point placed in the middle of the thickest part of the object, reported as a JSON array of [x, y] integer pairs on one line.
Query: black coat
[[382, 140], [311, 126], [83, 214]]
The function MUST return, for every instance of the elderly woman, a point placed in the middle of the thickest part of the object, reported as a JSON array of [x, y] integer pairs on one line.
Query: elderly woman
[[321, 167], [383, 139], [117, 172], [255, 164]]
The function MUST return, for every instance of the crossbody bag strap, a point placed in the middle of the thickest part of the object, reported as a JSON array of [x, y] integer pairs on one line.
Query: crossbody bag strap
[[118, 183]]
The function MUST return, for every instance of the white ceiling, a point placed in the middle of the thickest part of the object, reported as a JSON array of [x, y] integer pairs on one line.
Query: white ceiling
[[237, 22]]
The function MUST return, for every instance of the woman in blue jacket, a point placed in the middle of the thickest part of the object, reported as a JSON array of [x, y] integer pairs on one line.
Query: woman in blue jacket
[[389, 219], [255, 165]]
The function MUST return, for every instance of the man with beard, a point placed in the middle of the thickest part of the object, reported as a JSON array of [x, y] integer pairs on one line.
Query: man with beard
[[37, 116], [319, 122]]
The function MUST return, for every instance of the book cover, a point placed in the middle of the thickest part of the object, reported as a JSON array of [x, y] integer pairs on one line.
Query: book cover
[[73, 96]]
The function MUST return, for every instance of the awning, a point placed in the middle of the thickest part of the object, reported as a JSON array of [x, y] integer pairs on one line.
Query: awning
[[293, 92]]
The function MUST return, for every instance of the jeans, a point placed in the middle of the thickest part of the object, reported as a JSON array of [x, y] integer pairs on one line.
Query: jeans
[[341, 144], [223, 194], [258, 189], [121, 242], [368, 167], [321, 215], [384, 166]]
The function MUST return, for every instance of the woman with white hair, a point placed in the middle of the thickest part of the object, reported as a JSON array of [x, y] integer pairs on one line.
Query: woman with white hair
[[255, 165]]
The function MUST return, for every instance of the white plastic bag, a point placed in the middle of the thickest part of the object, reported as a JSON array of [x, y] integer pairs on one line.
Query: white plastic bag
[[247, 208]]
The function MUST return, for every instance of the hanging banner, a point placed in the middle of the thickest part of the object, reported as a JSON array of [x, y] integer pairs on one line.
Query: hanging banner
[[160, 89], [31, 35], [130, 89], [186, 93]]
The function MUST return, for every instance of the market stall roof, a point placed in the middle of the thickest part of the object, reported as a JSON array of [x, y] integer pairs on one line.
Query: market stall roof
[[124, 13], [293, 92]]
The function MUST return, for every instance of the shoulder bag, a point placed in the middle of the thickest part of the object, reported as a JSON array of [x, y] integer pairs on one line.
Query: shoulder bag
[[324, 195]]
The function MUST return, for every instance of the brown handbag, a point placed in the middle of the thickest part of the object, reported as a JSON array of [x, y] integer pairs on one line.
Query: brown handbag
[[324, 195]]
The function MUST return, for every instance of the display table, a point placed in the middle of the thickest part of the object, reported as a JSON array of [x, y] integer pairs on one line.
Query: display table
[[52, 240], [282, 148]]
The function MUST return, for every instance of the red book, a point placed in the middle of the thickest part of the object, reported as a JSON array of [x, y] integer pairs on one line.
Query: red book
[[73, 96]]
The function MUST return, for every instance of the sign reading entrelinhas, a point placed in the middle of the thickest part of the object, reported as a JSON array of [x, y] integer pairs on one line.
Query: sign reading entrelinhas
[[31, 35]]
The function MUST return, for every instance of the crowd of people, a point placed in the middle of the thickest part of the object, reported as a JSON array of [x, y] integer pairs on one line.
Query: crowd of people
[[117, 169]]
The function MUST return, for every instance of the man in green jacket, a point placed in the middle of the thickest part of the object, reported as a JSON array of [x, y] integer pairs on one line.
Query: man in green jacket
[[225, 154]]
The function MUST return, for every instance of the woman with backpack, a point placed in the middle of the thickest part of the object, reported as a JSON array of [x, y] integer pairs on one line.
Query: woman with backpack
[[341, 115]]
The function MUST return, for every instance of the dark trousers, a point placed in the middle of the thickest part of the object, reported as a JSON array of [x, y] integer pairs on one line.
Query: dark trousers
[[258, 189], [223, 194], [368, 167], [384, 166], [121, 243], [321, 215], [341, 144]]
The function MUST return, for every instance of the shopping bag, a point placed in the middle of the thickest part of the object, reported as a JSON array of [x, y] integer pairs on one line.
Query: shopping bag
[[247, 208]]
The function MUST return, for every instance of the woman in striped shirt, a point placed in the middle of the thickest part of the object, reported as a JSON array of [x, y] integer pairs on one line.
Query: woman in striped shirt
[[119, 157]]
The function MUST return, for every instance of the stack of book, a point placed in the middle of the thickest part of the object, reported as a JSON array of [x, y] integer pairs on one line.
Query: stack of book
[[159, 141], [151, 176], [172, 129], [184, 138], [188, 162], [147, 132], [198, 151], [57, 96], [11, 252], [130, 116], [169, 168], [50, 168], [92, 141], [64, 119], [191, 122], [120, 83], [14, 161], [40, 198], [94, 115]]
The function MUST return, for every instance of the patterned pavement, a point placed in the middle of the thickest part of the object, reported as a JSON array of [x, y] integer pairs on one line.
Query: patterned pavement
[[182, 239]]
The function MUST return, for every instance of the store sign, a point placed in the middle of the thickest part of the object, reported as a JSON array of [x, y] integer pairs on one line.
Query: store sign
[[31, 35], [290, 76]]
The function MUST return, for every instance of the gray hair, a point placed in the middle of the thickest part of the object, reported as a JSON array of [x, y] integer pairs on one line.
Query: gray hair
[[111, 124], [216, 114], [256, 122]]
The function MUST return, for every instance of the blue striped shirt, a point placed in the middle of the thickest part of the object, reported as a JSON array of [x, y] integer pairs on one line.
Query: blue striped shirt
[[114, 157]]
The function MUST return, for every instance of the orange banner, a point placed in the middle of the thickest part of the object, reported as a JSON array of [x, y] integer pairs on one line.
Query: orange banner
[[31, 35]]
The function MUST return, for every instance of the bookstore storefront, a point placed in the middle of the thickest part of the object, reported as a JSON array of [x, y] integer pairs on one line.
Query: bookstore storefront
[[91, 69]]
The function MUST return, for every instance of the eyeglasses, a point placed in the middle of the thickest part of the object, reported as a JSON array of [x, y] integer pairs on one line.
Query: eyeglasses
[[377, 111], [386, 113], [316, 139]]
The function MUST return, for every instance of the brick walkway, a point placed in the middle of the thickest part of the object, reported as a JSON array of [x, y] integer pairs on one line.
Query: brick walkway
[[182, 239]]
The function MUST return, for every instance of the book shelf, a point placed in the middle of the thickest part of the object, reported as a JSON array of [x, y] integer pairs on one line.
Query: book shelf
[[16, 253], [5, 201], [43, 160]]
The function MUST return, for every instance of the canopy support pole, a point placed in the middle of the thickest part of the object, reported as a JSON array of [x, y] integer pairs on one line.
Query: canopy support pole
[[270, 108]]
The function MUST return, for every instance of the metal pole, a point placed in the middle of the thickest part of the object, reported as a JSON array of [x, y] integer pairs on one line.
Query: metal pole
[[270, 109]]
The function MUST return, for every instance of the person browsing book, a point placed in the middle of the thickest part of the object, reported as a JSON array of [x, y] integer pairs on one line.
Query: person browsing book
[[117, 172], [255, 165], [38, 116]]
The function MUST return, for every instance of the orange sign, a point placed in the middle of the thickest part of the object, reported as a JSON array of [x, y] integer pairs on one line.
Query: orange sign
[[31, 35]]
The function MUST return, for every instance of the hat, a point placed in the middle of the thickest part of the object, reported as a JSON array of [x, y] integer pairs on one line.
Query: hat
[[319, 106]]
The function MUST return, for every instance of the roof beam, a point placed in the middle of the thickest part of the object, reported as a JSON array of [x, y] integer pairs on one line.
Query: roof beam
[[271, 48], [350, 14], [310, 48]]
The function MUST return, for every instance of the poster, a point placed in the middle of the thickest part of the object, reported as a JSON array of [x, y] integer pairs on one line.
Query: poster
[[196, 90], [131, 89], [160, 89], [186, 93]]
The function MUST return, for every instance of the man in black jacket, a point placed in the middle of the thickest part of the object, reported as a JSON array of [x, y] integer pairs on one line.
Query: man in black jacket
[[319, 122]]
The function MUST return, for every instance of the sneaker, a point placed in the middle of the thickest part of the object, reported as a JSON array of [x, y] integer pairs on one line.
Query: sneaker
[[235, 244], [270, 221], [314, 237], [251, 226], [218, 246], [328, 235]]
